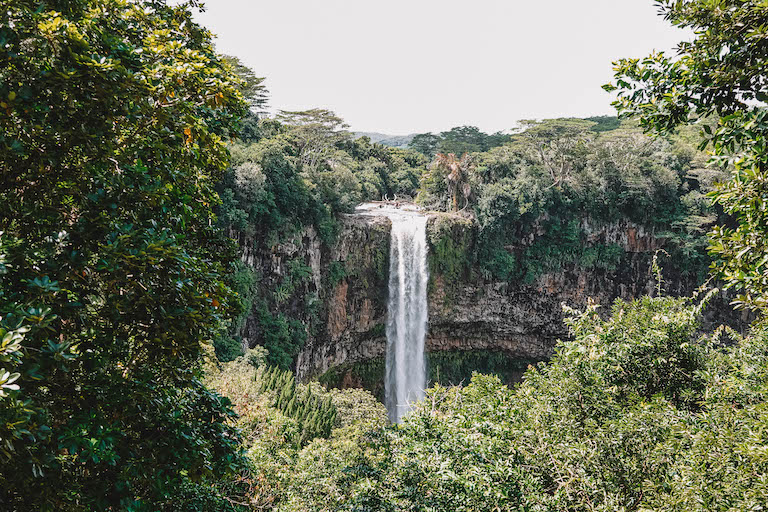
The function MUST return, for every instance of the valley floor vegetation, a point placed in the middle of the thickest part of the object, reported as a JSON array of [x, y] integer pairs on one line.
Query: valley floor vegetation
[[637, 412], [137, 164]]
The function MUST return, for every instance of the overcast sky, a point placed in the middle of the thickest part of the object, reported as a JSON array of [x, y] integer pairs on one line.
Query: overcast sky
[[412, 66]]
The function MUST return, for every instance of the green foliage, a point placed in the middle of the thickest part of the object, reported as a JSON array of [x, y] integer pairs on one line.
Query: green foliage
[[446, 186], [425, 143], [503, 205], [635, 413], [281, 335], [279, 331], [297, 273], [256, 357], [244, 281], [532, 194], [455, 368], [264, 195], [255, 94], [315, 134], [264, 430], [337, 272], [114, 115], [562, 243], [393, 171], [451, 247], [321, 478], [315, 415], [605, 257], [604, 123], [498, 263], [445, 368], [282, 474], [457, 141], [301, 171], [365, 374], [251, 87], [227, 348], [741, 252], [521, 239], [716, 81]]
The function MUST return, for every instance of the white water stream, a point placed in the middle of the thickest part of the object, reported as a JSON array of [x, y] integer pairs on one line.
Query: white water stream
[[407, 314]]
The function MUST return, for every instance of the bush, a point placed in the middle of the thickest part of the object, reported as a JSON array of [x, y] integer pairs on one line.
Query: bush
[[451, 246], [283, 474], [227, 348], [314, 415], [531, 195], [283, 337]]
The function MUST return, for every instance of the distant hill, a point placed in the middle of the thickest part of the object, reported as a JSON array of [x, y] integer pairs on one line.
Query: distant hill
[[396, 141]]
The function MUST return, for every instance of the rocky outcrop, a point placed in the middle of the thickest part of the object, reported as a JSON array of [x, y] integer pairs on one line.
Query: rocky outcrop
[[525, 320]]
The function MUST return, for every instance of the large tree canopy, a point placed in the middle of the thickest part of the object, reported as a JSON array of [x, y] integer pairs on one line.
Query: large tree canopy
[[721, 74], [114, 115]]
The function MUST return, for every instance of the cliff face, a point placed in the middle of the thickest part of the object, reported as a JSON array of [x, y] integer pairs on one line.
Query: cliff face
[[342, 302], [467, 312], [354, 307], [526, 320]]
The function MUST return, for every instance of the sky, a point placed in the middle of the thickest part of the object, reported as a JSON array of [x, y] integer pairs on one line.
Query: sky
[[415, 66]]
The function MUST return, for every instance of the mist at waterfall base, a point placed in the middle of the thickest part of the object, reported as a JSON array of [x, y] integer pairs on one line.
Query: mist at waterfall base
[[407, 313]]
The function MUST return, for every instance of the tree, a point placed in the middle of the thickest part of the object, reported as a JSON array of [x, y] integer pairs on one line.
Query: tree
[[456, 175], [316, 132], [718, 81], [556, 145], [458, 140], [255, 94], [462, 139], [425, 143], [111, 137], [638, 411], [251, 86]]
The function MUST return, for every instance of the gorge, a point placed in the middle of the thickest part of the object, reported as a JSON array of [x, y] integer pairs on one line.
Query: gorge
[[493, 325], [511, 238], [206, 306]]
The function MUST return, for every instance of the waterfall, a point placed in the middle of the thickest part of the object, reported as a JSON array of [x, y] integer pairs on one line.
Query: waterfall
[[407, 319], [406, 313]]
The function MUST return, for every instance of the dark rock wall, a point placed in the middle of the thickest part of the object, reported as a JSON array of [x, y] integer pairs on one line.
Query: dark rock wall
[[349, 283]]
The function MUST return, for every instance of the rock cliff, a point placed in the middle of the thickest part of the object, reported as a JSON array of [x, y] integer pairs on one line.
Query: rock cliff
[[468, 312], [343, 301], [355, 303]]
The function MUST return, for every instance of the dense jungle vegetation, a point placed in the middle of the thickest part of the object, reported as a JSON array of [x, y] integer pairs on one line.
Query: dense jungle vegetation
[[136, 163], [535, 195]]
